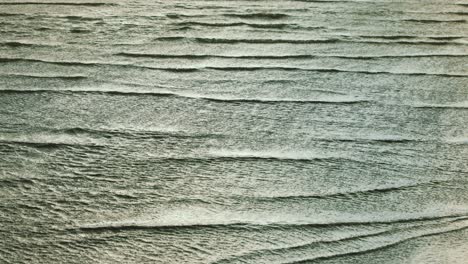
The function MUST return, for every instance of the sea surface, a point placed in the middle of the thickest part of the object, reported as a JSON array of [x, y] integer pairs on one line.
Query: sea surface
[[328, 131]]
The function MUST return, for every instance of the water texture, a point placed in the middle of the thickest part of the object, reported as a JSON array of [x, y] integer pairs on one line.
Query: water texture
[[204, 131]]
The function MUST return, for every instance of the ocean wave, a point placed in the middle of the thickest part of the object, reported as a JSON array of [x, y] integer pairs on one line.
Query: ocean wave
[[207, 56], [409, 42], [284, 68], [446, 37], [330, 1], [457, 140], [179, 15], [347, 246], [176, 70], [16, 182], [63, 77], [142, 226], [460, 13], [88, 91], [211, 158], [259, 15], [66, 63], [80, 30], [213, 98], [388, 36], [18, 44], [214, 40], [235, 24], [271, 155], [435, 20], [343, 100], [59, 3], [332, 70], [375, 139], [458, 105], [47, 140], [348, 194], [396, 37], [50, 16], [285, 249], [229, 222], [279, 57], [247, 68], [239, 57], [82, 18], [250, 41], [43, 29], [129, 133], [378, 245], [41, 144], [8, 14], [427, 55]]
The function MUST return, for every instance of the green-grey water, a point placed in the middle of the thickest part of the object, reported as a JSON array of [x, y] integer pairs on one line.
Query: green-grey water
[[233, 131]]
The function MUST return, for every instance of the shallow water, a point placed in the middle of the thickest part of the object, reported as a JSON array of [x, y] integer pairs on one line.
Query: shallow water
[[233, 131]]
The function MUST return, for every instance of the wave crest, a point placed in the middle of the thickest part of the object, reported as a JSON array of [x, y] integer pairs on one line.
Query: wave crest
[[258, 15]]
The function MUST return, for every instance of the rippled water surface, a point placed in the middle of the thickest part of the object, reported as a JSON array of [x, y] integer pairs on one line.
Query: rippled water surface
[[233, 131]]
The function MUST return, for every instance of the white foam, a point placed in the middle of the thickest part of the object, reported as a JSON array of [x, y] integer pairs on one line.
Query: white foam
[[457, 140], [270, 154], [190, 216], [48, 138]]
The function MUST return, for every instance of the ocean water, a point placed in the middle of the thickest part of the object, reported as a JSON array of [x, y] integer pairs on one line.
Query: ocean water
[[204, 131]]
